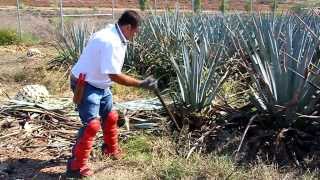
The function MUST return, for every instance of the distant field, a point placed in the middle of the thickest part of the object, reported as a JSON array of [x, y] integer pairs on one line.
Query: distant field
[[184, 4]]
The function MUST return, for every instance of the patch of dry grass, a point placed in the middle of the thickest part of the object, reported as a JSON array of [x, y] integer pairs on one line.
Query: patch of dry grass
[[17, 69], [154, 157], [56, 81]]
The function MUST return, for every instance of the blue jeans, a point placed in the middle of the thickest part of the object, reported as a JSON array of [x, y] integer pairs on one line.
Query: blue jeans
[[95, 102]]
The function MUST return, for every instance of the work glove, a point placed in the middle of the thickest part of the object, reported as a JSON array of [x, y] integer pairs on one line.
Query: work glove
[[149, 83]]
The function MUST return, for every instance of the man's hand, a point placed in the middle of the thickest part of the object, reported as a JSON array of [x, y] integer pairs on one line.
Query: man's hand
[[149, 83]]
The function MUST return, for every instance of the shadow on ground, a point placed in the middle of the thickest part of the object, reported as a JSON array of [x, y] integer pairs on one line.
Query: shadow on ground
[[28, 168]]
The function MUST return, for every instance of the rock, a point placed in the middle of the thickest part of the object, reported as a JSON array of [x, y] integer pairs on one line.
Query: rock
[[33, 52], [32, 93]]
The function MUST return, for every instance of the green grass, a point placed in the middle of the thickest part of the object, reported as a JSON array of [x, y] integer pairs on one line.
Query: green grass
[[143, 4], [174, 170], [29, 39], [10, 36], [20, 76], [138, 148]]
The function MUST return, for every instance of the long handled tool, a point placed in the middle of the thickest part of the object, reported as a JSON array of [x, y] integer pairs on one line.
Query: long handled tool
[[157, 92]]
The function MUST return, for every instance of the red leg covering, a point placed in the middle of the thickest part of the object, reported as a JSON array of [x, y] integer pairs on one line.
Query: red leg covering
[[81, 150], [110, 136]]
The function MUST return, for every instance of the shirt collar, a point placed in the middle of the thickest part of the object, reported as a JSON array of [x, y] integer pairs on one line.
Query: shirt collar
[[122, 37]]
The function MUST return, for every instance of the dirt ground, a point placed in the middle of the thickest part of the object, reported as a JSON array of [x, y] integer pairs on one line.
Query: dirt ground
[[16, 70], [13, 65], [32, 163]]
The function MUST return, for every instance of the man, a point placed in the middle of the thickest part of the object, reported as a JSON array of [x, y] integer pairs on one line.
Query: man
[[99, 64]]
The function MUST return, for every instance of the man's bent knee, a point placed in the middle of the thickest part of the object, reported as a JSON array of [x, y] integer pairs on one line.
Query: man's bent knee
[[112, 118], [93, 126]]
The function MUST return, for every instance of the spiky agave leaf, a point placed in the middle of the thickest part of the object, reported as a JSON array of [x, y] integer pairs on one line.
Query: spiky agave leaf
[[281, 52], [196, 75], [162, 36], [189, 47], [158, 40], [71, 44]]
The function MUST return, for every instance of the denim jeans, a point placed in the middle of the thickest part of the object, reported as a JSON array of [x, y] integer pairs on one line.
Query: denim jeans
[[95, 102]]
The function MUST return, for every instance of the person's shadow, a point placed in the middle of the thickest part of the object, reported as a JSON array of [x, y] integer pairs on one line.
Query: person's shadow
[[28, 168]]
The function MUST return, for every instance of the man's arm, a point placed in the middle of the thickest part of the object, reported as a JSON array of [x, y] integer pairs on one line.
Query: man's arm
[[125, 80]]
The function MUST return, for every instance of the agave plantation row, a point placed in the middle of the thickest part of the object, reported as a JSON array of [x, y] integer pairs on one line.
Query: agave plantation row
[[194, 55], [281, 52]]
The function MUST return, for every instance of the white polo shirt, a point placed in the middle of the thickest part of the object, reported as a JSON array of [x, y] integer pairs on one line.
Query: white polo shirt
[[103, 55]]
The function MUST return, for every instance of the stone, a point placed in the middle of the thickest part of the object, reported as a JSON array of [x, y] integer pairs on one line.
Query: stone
[[34, 52], [32, 93]]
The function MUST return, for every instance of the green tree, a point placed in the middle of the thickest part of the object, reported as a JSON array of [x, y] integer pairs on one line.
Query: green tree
[[196, 5], [274, 6], [248, 5], [143, 4], [223, 6]]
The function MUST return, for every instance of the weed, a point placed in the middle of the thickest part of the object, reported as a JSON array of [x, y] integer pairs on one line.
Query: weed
[[20, 76], [143, 4], [7, 37], [138, 148], [234, 93], [248, 5], [175, 170], [196, 5], [224, 6]]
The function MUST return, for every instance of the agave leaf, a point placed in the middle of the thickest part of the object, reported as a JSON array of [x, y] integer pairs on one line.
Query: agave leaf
[[281, 53], [71, 44]]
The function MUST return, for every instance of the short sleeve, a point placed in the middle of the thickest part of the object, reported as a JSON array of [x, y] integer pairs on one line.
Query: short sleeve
[[110, 63]]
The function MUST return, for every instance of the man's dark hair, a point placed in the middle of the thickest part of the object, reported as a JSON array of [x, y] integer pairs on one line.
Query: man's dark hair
[[129, 17]]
